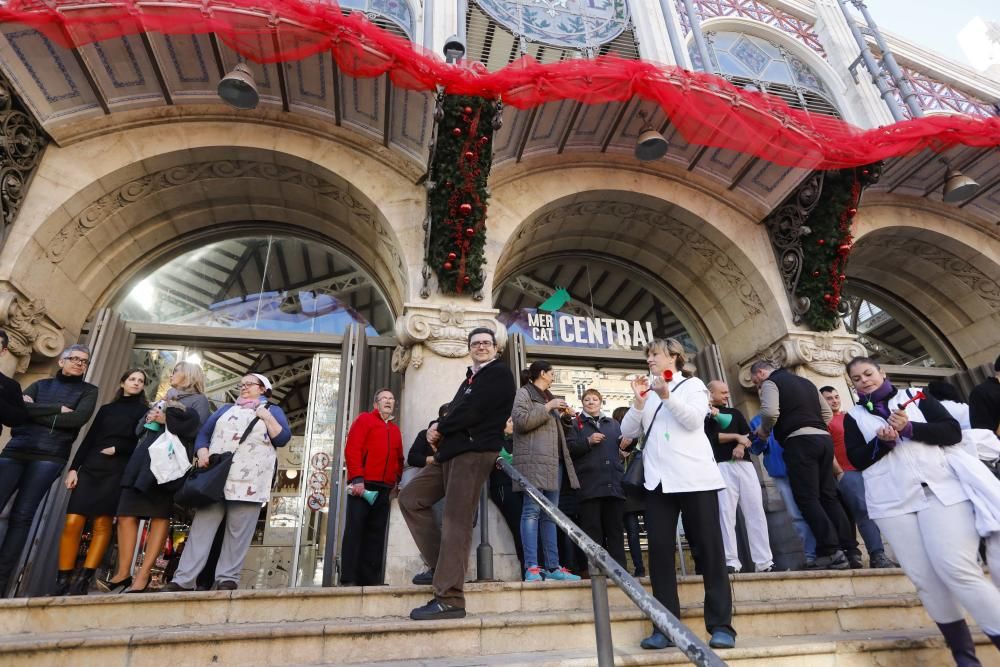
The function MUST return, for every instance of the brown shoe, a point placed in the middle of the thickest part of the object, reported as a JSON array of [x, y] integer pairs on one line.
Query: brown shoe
[[226, 585], [175, 588]]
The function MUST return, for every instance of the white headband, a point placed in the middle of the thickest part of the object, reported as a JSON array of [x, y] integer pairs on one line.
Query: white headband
[[263, 380]]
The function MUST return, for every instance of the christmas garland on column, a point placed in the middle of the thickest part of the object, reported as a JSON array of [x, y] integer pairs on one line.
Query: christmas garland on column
[[458, 175], [828, 246]]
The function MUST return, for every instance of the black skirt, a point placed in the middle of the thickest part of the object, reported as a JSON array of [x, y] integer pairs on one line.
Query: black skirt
[[98, 487], [154, 504]]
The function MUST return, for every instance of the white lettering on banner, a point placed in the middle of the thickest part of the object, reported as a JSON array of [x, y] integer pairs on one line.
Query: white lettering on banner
[[594, 332], [638, 337], [624, 339], [649, 332], [564, 332], [608, 323], [578, 324]]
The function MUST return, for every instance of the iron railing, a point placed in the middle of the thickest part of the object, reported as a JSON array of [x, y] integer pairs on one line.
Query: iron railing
[[603, 566]]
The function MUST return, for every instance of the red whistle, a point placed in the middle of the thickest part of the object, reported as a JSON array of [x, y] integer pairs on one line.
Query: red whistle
[[918, 397], [667, 377]]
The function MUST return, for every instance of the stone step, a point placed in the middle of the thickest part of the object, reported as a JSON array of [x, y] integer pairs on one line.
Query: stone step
[[347, 641], [888, 648], [166, 610]]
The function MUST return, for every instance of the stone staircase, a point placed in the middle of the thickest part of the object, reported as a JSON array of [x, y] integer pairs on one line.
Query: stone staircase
[[867, 617]]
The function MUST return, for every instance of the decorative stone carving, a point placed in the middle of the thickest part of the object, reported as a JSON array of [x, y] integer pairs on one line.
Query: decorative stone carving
[[822, 353], [442, 329], [786, 227], [31, 332], [21, 144], [143, 187]]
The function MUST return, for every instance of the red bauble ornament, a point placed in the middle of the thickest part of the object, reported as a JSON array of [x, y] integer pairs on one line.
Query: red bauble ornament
[[469, 231], [842, 277], [465, 209], [452, 257], [821, 242], [467, 279], [467, 109], [447, 266], [864, 172], [815, 274], [483, 141], [469, 155], [827, 297], [851, 212], [844, 248], [457, 132]]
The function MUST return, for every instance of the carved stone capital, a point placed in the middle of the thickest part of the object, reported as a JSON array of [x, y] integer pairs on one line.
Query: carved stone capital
[[822, 353], [32, 333], [442, 329]]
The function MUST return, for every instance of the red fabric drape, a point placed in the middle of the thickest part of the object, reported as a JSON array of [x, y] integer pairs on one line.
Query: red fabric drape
[[705, 109]]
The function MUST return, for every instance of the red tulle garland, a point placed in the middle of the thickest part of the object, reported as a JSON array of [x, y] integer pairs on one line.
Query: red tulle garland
[[705, 109]]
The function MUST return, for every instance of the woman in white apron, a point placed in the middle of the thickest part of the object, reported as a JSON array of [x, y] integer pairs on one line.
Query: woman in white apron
[[898, 439]]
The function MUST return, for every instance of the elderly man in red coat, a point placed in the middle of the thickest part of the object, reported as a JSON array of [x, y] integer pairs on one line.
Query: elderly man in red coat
[[374, 455]]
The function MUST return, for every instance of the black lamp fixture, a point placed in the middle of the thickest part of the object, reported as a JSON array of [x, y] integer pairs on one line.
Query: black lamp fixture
[[237, 89], [650, 145], [454, 49]]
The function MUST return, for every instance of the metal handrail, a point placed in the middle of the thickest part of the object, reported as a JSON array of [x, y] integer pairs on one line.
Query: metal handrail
[[695, 649]]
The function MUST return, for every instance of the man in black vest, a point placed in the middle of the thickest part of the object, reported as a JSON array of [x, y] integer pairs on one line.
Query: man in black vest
[[792, 407], [57, 407]]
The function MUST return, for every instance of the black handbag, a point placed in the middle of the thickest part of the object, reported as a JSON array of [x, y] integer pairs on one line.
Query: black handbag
[[634, 478], [204, 486]]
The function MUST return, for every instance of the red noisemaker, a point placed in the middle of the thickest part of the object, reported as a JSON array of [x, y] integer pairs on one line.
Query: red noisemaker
[[667, 377], [919, 396]]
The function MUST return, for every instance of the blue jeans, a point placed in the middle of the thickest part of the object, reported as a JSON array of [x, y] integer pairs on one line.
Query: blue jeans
[[852, 490], [530, 511], [801, 527], [32, 480]]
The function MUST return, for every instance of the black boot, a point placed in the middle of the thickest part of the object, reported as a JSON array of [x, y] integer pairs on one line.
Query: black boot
[[81, 585], [62, 582], [959, 641]]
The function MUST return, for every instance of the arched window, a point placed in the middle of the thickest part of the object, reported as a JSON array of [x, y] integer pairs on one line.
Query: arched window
[[750, 60], [261, 283], [392, 15]]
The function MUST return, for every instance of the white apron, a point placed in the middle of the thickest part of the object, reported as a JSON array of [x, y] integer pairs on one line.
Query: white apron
[[252, 472]]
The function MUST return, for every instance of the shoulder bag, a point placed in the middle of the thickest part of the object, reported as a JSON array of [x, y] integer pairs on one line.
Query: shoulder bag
[[204, 486]]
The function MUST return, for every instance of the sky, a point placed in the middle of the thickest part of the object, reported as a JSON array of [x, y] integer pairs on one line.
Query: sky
[[932, 24]]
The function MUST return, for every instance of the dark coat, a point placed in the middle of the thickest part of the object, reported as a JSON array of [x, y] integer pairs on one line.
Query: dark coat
[[49, 432], [12, 411], [478, 413], [599, 467]]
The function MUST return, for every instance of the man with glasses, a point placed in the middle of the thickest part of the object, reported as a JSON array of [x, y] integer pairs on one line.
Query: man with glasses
[[57, 408], [12, 412], [466, 442]]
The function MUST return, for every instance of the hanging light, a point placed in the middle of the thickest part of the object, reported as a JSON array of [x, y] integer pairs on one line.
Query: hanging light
[[454, 49], [650, 145], [237, 89], [958, 187]]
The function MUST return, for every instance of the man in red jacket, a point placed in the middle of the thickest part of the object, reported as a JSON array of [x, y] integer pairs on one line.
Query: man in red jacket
[[374, 456]]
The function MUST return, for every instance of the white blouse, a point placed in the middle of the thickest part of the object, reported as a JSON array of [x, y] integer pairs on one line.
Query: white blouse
[[678, 454]]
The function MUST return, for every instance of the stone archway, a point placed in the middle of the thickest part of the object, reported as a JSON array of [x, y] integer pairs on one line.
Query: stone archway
[[88, 227], [713, 258], [952, 281]]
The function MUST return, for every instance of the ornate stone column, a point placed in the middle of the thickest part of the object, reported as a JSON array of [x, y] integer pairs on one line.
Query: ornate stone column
[[33, 336], [433, 354], [817, 356]]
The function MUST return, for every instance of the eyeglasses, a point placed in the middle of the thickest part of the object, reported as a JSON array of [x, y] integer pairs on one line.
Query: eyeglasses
[[481, 343], [81, 361], [247, 385]]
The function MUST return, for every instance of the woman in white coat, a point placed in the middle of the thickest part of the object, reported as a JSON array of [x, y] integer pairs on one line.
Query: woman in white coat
[[897, 438], [251, 429]]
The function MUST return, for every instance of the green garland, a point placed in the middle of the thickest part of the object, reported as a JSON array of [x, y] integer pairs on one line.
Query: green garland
[[459, 172], [828, 246]]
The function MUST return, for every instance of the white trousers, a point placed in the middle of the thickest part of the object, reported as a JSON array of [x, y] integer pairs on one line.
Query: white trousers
[[743, 490], [937, 548]]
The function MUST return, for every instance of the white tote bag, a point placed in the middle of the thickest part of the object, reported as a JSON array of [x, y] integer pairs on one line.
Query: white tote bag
[[168, 459]]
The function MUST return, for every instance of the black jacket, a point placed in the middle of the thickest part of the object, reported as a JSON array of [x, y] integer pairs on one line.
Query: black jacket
[[49, 433], [182, 423], [478, 412], [738, 426], [600, 467], [984, 405], [12, 411], [941, 429], [798, 402], [420, 449], [114, 426]]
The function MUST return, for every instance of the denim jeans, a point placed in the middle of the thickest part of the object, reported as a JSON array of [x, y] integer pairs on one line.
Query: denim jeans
[[529, 532], [31, 480], [801, 527], [852, 490]]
